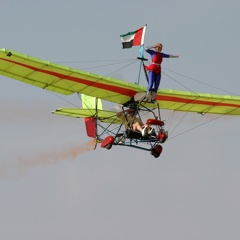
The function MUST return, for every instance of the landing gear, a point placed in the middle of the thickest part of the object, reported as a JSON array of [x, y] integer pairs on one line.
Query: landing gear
[[107, 142], [108, 146], [156, 151]]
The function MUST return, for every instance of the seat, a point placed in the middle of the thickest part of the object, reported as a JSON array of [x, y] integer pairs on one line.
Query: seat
[[133, 134]]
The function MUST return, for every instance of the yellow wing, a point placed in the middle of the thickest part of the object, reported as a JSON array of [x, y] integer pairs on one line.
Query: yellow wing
[[198, 102], [65, 80], [102, 115]]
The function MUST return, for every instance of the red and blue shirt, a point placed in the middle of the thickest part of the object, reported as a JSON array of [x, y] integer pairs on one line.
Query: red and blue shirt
[[156, 61]]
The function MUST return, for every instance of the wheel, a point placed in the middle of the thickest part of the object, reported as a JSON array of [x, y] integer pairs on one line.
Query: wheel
[[156, 154], [108, 146], [156, 151], [107, 142]]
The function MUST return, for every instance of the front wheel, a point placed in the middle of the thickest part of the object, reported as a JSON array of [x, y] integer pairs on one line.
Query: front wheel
[[108, 146], [107, 142], [156, 151]]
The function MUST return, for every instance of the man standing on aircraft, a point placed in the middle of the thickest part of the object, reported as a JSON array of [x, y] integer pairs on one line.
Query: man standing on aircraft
[[154, 69]]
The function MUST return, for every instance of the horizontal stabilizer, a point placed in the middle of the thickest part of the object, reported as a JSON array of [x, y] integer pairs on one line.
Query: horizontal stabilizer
[[102, 115]]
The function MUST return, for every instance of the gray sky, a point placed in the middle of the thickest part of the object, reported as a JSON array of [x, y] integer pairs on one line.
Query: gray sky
[[190, 192]]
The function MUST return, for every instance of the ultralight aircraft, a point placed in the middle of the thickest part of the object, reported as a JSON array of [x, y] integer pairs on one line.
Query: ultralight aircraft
[[103, 125]]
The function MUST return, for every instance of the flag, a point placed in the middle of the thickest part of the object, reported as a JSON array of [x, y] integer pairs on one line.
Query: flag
[[135, 38]]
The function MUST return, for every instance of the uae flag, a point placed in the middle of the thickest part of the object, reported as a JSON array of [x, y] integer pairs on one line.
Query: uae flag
[[135, 38]]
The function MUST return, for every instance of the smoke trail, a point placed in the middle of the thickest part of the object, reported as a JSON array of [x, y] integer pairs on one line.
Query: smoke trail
[[36, 111], [55, 156]]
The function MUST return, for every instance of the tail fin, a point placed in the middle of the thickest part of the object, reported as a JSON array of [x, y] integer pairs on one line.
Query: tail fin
[[91, 123], [91, 102]]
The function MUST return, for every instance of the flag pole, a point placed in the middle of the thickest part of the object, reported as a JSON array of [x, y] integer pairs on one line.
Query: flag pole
[[141, 56]]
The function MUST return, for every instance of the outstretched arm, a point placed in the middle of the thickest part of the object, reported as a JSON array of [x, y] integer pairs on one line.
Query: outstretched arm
[[173, 56], [164, 55]]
